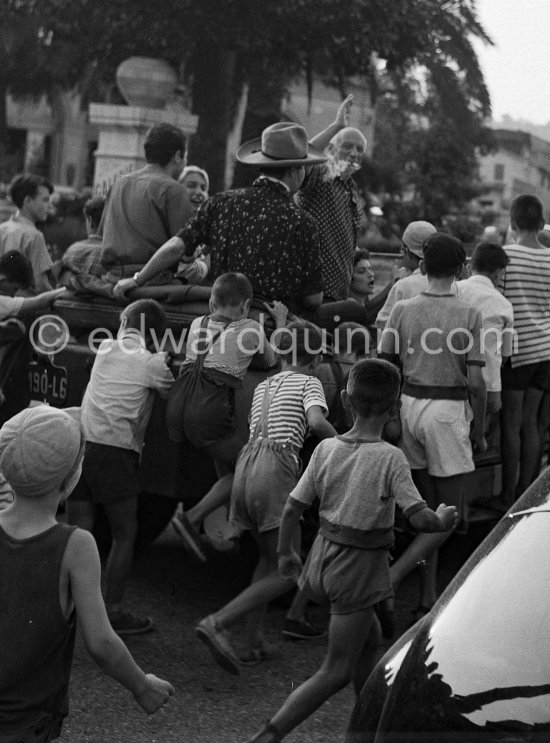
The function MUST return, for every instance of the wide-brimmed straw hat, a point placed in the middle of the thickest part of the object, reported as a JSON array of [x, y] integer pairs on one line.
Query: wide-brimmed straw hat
[[281, 145]]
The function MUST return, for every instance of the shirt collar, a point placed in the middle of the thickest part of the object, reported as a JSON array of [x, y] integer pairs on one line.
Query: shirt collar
[[276, 181], [18, 217], [479, 279], [131, 338]]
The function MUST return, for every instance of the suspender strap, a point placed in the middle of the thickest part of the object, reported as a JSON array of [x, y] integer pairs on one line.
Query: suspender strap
[[201, 355], [266, 404]]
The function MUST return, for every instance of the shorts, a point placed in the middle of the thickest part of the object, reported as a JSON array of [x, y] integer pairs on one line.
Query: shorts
[[265, 474], [436, 435], [109, 473], [529, 375], [348, 578]]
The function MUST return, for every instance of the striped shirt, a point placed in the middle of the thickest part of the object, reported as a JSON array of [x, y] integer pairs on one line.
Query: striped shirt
[[287, 419], [234, 347], [526, 284]]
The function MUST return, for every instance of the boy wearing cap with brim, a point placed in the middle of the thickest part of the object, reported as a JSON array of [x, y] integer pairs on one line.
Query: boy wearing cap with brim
[[435, 338], [410, 286], [49, 578]]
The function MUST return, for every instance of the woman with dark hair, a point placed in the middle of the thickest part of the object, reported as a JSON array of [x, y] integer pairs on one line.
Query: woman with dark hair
[[359, 307]]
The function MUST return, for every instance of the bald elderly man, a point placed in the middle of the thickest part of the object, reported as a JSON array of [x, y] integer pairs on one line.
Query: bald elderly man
[[330, 195]]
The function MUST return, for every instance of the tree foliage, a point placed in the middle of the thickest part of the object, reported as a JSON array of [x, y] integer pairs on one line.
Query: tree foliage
[[222, 44]]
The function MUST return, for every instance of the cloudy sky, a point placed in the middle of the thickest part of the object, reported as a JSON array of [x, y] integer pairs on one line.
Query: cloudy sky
[[517, 68]]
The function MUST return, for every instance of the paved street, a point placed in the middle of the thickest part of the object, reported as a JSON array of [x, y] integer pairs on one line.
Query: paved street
[[210, 706]]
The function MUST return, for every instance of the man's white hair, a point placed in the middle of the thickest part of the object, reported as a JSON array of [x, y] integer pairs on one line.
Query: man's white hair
[[343, 133]]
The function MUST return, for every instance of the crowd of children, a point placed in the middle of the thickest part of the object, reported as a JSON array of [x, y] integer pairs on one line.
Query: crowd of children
[[398, 430]]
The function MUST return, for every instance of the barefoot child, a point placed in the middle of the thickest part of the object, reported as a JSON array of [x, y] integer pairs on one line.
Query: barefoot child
[[358, 478], [49, 577]]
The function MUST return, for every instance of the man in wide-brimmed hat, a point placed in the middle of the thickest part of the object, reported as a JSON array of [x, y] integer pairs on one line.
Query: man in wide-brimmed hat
[[258, 231]]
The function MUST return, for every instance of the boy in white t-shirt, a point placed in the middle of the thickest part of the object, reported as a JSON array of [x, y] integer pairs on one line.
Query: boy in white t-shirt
[[488, 264]]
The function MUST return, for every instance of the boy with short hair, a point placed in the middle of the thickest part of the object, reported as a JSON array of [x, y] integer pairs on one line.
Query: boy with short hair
[[526, 375], [116, 409], [358, 478], [222, 345], [283, 408], [49, 578], [488, 264], [436, 340], [31, 194]]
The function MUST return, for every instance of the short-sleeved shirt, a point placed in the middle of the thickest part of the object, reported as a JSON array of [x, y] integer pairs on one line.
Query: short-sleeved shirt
[[287, 420], [144, 209], [497, 317], [435, 337], [334, 204], [10, 306], [406, 288], [358, 484], [259, 231], [234, 347], [526, 284], [19, 233], [118, 401]]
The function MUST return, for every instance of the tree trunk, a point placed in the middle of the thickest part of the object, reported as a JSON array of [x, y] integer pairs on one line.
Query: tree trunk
[[4, 141], [267, 88], [213, 102]]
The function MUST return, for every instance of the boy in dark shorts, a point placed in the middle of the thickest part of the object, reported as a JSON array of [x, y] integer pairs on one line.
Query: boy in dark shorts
[[115, 412], [49, 578], [358, 478]]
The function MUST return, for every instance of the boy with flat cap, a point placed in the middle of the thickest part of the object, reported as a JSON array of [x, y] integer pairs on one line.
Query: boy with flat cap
[[49, 577], [435, 338]]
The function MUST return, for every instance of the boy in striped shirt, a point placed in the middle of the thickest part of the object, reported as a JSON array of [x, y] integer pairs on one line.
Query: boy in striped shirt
[[268, 468], [526, 375]]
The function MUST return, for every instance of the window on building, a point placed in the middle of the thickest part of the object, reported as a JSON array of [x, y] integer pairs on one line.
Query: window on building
[[499, 172]]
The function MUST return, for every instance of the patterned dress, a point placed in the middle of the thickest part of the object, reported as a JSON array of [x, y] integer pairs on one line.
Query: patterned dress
[[261, 232]]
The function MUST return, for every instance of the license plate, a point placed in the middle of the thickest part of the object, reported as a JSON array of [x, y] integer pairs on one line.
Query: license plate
[[48, 383]]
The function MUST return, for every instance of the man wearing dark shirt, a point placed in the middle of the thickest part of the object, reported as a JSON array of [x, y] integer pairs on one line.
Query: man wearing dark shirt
[[258, 231]]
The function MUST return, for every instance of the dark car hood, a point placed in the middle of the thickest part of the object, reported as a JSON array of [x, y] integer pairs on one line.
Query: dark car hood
[[478, 666]]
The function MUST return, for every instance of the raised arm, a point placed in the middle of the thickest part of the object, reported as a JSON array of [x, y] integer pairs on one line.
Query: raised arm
[[321, 140]]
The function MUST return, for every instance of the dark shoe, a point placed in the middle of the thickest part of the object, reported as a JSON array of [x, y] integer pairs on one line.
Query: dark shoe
[[126, 623], [255, 655], [302, 630], [386, 616], [190, 536], [218, 643]]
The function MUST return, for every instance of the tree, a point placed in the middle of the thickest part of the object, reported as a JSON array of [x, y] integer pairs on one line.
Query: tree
[[225, 44]]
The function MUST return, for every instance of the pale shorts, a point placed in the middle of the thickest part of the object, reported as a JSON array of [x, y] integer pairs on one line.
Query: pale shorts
[[436, 435]]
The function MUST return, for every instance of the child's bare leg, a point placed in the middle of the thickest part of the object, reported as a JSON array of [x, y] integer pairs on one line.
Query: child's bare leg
[[347, 634], [267, 565], [449, 490], [218, 495], [81, 513], [368, 657], [122, 517], [434, 490], [224, 453], [297, 609], [260, 592]]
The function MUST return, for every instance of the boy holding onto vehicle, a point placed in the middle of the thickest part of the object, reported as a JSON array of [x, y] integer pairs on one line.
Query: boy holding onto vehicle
[[283, 408], [223, 344], [49, 578], [358, 479], [116, 409], [436, 340]]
